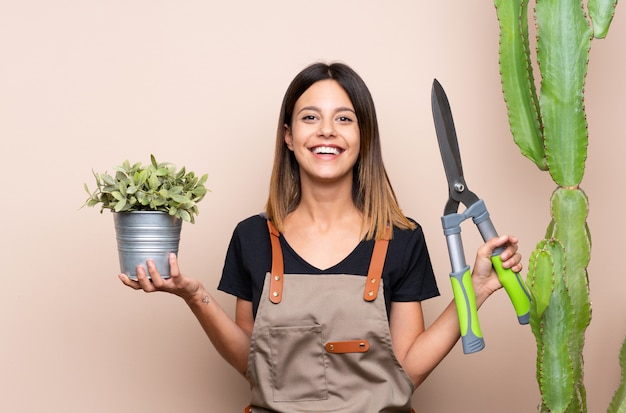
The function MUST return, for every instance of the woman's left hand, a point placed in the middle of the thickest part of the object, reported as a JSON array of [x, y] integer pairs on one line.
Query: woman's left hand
[[484, 277]]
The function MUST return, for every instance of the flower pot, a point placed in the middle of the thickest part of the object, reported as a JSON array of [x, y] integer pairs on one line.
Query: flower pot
[[143, 235]]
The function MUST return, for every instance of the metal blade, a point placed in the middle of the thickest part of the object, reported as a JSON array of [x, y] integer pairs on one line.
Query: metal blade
[[446, 133], [449, 148]]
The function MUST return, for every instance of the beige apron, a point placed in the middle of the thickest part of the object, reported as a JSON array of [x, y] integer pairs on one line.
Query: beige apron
[[321, 343]]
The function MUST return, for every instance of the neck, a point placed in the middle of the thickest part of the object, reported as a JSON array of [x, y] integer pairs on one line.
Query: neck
[[325, 207]]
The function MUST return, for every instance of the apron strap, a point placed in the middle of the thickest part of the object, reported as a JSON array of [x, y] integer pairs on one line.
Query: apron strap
[[375, 272], [276, 280]]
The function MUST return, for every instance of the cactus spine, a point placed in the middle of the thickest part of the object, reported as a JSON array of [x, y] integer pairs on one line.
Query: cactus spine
[[550, 129]]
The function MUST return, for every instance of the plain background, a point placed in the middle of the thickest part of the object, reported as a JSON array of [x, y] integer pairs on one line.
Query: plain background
[[86, 84]]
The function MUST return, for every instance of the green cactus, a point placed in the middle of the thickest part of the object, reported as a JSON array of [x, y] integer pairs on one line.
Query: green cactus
[[618, 404], [550, 129]]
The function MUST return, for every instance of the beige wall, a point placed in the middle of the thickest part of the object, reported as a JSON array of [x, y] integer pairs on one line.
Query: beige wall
[[87, 84]]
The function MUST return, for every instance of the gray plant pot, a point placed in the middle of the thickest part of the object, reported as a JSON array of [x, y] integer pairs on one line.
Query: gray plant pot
[[143, 235]]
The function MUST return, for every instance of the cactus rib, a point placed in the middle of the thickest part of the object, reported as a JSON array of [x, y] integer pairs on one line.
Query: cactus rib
[[518, 84]]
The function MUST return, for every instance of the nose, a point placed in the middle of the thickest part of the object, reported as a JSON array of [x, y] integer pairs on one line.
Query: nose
[[327, 128]]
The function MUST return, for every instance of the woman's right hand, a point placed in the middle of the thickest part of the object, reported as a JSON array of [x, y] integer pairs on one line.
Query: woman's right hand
[[177, 284]]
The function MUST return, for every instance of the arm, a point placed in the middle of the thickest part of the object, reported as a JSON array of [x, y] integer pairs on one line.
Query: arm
[[231, 339], [421, 349]]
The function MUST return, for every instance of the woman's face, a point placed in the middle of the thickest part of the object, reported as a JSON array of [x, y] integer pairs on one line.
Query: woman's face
[[324, 133]]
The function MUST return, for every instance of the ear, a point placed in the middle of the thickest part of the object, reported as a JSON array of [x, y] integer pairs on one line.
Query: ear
[[288, 137]]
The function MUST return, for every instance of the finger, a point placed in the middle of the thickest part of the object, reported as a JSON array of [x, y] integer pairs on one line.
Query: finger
[[156, 279], [509, 243], [514, 262], [128, 282], [509, 254], [143, 280], [174, 269], [486, 250]]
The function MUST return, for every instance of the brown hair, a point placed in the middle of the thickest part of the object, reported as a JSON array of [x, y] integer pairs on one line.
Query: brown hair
[[371, 190]]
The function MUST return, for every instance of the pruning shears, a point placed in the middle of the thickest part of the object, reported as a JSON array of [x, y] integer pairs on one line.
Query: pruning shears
[[458, 192]]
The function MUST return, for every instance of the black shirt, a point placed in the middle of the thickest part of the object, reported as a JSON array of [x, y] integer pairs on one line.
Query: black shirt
[[407, 274]]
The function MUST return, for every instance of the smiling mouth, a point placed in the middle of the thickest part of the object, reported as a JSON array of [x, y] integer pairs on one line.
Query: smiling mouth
[[326, 150]]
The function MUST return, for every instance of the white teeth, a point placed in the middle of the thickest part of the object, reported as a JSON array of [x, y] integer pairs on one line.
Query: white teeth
[[326, 150]]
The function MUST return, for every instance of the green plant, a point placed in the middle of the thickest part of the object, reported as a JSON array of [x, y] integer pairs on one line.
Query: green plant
[[154, 187], [550, 129]]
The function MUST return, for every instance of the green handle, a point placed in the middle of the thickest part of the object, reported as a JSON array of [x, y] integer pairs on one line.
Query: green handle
[[515, 288], [465, 299]]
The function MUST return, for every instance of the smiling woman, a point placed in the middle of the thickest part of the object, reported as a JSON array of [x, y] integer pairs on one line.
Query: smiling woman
[[324, 134], [332, 274]]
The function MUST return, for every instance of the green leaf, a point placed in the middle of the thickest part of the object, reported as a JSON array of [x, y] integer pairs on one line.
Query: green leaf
[[121, 187], [140, 177], [108, 179], [143, 198], [180, 198], [185, 216], [120, 205], [120, 176], [136, 166], [158, 201], [153, 182], [164, 193], [199, 192]]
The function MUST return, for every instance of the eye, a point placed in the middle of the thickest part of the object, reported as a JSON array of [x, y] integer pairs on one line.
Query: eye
[[344, 119], [309, 118]]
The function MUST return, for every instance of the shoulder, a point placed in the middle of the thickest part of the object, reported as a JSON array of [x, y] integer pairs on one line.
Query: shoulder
[[248, 258], [407, 235], [250, 237], [254, 222], [408, 249], [252, 227]]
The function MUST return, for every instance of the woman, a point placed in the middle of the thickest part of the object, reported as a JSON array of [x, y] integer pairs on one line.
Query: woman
[[330, 278]]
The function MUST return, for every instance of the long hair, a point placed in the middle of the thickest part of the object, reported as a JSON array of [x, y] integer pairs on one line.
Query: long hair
[[372, 192]]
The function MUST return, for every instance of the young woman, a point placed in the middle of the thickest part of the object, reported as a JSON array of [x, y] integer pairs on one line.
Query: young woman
[[329, 279]]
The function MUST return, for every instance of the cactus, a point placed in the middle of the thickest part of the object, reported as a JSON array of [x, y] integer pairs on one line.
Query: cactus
[[550, 129], [618, 404]]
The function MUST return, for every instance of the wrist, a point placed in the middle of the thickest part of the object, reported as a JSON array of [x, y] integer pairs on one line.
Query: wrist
[[481, 292], [199, 297]]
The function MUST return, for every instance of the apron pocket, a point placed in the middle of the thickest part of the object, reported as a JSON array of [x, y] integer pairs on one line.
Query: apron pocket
[[298, 364]]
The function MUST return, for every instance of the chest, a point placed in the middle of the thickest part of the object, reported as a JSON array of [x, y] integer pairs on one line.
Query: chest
[[324, 251]]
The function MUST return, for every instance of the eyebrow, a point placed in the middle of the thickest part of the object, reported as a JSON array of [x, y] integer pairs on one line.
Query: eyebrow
[[317, 109]]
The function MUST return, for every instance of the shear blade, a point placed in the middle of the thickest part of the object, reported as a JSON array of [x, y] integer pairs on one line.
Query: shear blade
[[446, 133], [449, 148]]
